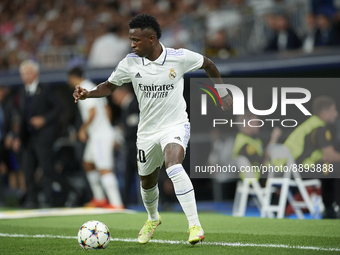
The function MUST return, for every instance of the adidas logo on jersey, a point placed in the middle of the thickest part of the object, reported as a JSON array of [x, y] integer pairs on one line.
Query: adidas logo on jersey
[[178, 138], [138, 75]]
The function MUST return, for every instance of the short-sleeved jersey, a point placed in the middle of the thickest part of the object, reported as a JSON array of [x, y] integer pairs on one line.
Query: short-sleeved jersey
[[158, 86], [100, 124]]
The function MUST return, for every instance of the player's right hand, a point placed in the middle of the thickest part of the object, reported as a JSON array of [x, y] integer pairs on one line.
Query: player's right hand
[[80, 94]]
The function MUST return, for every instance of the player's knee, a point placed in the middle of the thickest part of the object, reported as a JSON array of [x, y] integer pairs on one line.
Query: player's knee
[[148, 183], [150, 180], [173, 154]]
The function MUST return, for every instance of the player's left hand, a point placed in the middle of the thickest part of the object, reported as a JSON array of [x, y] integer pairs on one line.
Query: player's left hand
[[227, 102]]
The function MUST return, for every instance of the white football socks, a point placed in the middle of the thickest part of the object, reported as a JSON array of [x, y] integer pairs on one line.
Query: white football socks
[[94, 180], [184, 192], [150, 201], [111, 187]]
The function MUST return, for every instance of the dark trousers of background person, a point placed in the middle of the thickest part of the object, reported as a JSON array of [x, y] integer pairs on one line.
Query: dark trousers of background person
[[38, 154], [330, 194], [130, 171]]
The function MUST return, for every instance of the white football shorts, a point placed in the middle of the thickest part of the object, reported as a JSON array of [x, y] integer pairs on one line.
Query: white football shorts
[[150, 148], [99, 151]]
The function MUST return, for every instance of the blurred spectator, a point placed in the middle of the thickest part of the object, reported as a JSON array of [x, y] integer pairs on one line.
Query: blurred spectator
[[39, 108], [99, 136], [326, 34], [56, 32], [309, 37], [3, 166], [108, 49], [324, 6], [270, 20], [285, 37], [217, 46], [218, 18], [261, 7], [126, 99]]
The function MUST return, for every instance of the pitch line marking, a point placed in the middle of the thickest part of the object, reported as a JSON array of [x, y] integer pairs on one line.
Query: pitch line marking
[[135, 240]]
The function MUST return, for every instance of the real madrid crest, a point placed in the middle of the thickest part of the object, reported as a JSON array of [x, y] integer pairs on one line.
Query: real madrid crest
[[172, 74]]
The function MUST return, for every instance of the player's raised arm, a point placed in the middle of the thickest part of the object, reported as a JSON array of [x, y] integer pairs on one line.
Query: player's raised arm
[[102, 90], [213, 73]]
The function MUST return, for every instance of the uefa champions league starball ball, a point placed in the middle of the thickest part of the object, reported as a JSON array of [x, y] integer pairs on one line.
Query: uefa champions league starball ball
[[94, 235]]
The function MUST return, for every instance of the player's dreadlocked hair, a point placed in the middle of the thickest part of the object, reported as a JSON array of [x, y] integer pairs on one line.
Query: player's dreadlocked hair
[[144, 21]]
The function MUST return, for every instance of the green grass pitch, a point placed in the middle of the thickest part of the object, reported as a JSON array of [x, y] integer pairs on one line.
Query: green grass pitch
[[223, 235]]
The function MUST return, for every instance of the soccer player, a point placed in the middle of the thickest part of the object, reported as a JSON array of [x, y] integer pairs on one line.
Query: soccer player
[[98, 134], [157, 73]]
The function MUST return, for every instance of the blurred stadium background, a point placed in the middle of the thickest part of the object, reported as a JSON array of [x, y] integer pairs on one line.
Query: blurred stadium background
[[236, 34]]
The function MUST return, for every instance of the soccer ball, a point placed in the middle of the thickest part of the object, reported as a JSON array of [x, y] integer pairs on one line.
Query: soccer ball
[[94, 235]]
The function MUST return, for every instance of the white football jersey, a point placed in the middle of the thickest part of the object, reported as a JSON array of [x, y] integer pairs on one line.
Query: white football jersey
[[158, 86], [101, 124]]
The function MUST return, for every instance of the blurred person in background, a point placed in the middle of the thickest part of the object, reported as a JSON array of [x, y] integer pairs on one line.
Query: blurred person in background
[[40, 108], [312, 143], [248, 143], [326, 34], [102, 54], [217, 46], [2, 122], [16, 177], [129, 119], [324, 6], [99, 136], [3, 153], [41, 29], [13, 178], [284, 37], [309, 37]]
